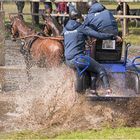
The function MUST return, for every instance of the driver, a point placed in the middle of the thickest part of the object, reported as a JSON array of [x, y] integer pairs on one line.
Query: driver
[[100, 19], [75, 35]]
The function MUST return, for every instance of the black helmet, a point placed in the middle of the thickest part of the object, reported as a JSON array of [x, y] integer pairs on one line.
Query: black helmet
[[75, 14]]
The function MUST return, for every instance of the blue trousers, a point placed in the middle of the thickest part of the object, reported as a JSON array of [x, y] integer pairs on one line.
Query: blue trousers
[[94, 67]]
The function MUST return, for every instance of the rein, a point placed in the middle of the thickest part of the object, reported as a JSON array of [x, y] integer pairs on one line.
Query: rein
[[60, 38]]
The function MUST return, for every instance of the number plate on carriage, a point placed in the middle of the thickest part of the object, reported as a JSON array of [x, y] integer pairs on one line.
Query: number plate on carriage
[[108, 44]]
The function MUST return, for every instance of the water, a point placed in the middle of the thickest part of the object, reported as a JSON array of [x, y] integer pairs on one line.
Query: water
[[49, 101]]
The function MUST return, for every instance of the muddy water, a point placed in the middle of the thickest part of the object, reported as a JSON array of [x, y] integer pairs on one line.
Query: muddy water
[[49, 101]]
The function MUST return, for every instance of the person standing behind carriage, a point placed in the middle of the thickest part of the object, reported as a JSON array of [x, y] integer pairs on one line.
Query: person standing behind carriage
[[100, 19], [20, 5], [62, 8], [48, 7], [75, 35], [119, 10]]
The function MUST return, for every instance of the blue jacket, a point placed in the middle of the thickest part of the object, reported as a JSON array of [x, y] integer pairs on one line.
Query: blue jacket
[[101, 19], [75, 35]]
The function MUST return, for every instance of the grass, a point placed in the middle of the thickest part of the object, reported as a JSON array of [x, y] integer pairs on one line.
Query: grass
[[107, 133], [113, 5], [134, 36], [119, 133], [10, 7]]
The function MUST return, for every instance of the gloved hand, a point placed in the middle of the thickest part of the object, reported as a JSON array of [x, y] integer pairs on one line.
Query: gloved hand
[[118, 39]]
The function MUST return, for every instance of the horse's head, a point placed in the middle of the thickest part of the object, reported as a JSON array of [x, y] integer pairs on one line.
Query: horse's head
[[52, 27], [19, 27], [15, 21], [48, 28]]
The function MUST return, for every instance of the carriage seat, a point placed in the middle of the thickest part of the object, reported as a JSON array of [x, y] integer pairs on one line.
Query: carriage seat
[[108, 51]]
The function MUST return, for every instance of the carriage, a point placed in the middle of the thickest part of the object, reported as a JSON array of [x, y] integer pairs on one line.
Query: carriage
[[124, 74]]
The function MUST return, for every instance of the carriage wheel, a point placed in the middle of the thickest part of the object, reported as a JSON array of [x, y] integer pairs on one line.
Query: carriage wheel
[[82, 82]]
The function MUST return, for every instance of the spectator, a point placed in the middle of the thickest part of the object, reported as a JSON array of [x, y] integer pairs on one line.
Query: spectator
[[20, 5], [71, 6], [48, 7], [35, 10], [62, 9], [54, 7], [119, 10]]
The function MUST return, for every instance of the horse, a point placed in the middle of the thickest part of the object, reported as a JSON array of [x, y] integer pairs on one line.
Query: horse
[[45, 51], [19, 28], [51, 26]]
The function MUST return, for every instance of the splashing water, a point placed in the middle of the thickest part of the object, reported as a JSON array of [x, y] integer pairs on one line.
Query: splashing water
[[50, 101], [51, 92]]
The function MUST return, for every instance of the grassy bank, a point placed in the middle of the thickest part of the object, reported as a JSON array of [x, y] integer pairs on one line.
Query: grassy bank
[[118, 133]]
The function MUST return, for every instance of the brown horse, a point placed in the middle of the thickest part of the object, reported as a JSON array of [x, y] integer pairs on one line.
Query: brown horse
[[46, 49], [52, 27], [19, 28]]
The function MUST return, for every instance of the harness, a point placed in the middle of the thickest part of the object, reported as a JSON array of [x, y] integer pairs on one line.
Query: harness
[[30, 42]]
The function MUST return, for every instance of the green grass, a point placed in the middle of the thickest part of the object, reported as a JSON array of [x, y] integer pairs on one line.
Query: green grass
[[108, 133], [119, 133], [10, 7], [134, 36], [113, 5]]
